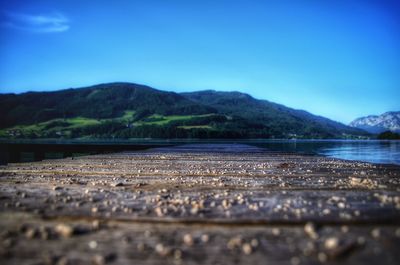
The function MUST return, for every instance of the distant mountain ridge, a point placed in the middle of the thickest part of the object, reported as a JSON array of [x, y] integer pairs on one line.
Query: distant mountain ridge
[[126, 110], [389, 121], [244, 105]]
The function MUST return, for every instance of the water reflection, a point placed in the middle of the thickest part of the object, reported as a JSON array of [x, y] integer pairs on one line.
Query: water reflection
[[387, 152], [375, 152]]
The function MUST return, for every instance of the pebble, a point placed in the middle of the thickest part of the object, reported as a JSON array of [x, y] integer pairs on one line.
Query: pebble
[[295, 260], [188, 239], [205, 238], [322, 257], [361, 240], [225, 204], [162, 250], [103, 259], [177, 254], [98, 260], [118, 184], [254, 242], [64, 230], [331, 243], [376, 233], [247, 249], [194, 210], [159, 212], [310, 230], [63, 261], [31, 233], [397, 232], [276, 231], [234, 242], [92, 244], [96, 224], [140, 246], [326, 211]]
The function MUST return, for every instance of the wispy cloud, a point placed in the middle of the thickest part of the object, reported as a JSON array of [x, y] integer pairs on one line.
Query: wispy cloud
[[48, 23]]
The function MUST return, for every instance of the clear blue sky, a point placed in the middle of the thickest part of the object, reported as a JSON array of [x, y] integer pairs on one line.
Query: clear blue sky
[[339, 59]]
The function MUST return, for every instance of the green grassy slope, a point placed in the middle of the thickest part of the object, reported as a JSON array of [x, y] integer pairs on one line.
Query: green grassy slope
[[124, 110]]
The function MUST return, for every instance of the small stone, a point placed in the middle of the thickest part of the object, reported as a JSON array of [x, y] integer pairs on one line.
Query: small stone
[[309, 248], [118, 184], [159, 212], [57, 188], [31, 233], [247, 249], [140, 247], [234, 242], [326, 211], [147, 233], [98, 260], [194, 210], [188, 239], [204, 238], [254, 243], [276, 231], [376, 233], [178, 254], [92, 244], [96, 224], [344, 229], [322, 257], [63, 261], [309, 228], [162, 250], [397, 233], [64, 230], [331, 243], [8, 242], [295, 260], [361, 240]]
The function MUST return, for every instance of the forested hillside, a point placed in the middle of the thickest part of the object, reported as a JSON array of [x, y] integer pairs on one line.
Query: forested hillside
[[125, 110]]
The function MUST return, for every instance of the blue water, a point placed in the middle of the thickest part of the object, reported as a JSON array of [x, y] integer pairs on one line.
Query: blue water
[[374, 151]]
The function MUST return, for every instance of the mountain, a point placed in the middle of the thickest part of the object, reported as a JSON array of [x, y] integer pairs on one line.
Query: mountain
[[389, 121], [98, 102], [278, 117], [126, 110]]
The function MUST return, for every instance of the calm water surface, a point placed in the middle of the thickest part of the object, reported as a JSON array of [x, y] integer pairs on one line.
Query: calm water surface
[[375, 151]]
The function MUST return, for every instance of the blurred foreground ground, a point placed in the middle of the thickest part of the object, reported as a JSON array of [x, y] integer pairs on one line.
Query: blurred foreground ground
[[200, 204]]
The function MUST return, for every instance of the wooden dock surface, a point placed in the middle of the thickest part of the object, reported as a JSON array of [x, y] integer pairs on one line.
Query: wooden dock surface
[[200, 204]]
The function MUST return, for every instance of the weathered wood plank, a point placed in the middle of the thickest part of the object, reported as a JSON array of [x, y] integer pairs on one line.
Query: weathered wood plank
[[223, 191]]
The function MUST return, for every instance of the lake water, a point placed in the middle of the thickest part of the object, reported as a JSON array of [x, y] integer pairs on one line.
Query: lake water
[[374, 151], [385, 152]]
